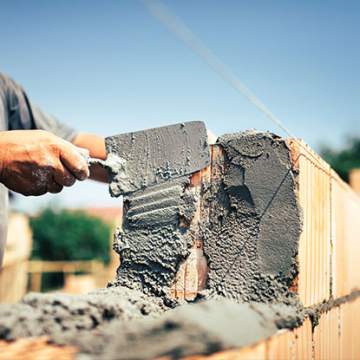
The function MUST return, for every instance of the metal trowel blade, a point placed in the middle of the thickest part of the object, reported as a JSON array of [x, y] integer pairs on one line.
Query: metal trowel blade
[[145, 158]]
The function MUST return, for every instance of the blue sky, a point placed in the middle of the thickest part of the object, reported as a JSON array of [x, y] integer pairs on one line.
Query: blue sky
[[110, 67]]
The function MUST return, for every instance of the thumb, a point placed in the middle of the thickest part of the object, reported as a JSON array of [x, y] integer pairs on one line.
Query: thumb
[[75, 160], [84, 153]]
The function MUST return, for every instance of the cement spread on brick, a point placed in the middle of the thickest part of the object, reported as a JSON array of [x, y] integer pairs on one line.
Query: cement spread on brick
[[202, 328], [250, 236], [151, 244], [64, 316], [110, 325], [250, 241], [112, 332]]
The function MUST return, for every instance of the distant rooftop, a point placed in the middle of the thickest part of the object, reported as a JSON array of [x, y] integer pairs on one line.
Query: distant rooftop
[[107, 214]]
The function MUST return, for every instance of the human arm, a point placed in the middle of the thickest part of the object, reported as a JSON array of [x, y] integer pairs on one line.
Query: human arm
[[36, 162], [23, 114]]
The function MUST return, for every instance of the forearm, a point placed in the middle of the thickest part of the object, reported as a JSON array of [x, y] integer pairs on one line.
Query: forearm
[[96, 146], [33, 162]]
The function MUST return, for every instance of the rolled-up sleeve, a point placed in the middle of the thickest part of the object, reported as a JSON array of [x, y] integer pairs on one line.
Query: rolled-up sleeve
[[24, 115]]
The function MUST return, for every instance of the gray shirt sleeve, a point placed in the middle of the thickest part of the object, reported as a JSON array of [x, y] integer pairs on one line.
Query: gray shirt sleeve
[[23, 115], [47, 122]]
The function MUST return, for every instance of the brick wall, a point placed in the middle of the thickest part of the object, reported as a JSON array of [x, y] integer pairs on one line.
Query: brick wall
[[329, 268]]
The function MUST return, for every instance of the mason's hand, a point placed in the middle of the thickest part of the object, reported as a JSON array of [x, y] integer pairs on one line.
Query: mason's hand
[[33, 162]]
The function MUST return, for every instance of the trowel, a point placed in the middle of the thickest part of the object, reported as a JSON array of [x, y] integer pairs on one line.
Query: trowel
[[141, 159]]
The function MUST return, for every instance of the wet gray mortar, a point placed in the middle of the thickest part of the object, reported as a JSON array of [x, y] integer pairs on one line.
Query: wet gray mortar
[[250, 238], [250, 243], [112, 324]]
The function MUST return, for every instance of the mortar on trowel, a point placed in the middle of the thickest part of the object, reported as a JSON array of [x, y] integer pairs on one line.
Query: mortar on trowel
[[138, 160], [151, 168]]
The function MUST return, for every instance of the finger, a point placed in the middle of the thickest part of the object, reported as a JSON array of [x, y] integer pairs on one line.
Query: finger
[[35, 191], [63, 176], [54, 187], [74, 161], [25, 187], [84, 152], [41, 176]]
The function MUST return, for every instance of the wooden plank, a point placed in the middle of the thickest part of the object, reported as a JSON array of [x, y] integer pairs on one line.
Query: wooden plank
[[40, 266], [35, 282]]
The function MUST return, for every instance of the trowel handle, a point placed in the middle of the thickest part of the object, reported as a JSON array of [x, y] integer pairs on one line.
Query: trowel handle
[[94, 161], [91, 161]]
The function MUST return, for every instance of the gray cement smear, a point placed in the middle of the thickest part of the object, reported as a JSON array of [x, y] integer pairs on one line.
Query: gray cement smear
[[250, 241], [250, 237], [155, 156], [63, 316], [202, 328], [151, 244], [111, 325]]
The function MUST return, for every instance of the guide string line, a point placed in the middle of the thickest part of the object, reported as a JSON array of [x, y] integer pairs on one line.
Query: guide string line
[[184, 33]]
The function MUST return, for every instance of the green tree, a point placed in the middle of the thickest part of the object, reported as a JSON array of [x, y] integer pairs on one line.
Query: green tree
[[69, 235], [343, 160]]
